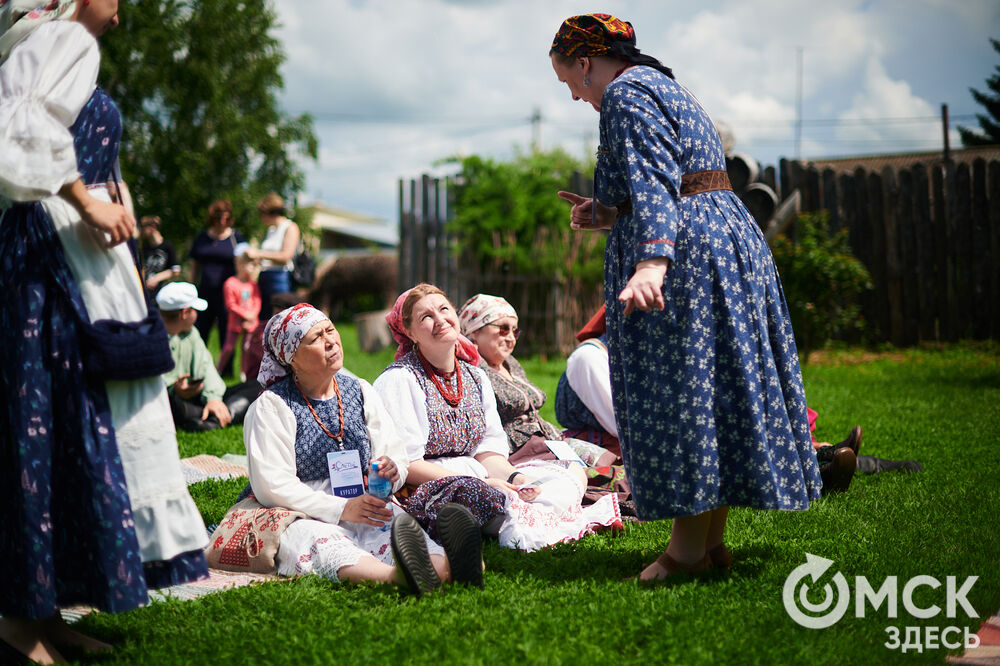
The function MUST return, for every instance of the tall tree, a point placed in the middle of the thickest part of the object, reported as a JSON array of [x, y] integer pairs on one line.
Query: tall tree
[[989, 124], [196, 82]]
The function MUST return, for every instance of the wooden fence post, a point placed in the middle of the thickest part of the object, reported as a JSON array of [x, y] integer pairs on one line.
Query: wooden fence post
[[964, 251], [831, 201], [878, 268], [908, 261], [994, 243], [927, 282], [863, 235], [893, 268], [979, 265], [406, 250]]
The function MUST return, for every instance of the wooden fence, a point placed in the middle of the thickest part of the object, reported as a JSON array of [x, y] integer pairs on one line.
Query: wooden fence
[[928, 234], [550, 310], [930, 237]]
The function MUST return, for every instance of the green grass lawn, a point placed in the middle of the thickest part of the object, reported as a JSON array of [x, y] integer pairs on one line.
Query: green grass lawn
[[568, 605]]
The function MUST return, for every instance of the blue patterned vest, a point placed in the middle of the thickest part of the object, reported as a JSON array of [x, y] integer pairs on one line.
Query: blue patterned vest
[[454, 431], [311, 443]]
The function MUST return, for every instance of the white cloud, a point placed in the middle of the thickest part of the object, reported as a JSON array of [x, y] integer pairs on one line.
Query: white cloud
[[443, 77]]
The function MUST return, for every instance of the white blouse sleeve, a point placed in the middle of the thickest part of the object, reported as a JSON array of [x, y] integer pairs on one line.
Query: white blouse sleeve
[[383, 433], [44, 83], [589, 375], [405, 400], [494, 439], [269, 437]]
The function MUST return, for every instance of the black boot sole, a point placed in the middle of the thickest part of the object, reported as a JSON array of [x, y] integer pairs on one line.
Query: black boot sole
[[463, 544], [410, 553]]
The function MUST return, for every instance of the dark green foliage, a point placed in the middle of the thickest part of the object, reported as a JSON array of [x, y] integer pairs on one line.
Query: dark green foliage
[[989, 122], [509, 219], [196, 81], [822, 281]]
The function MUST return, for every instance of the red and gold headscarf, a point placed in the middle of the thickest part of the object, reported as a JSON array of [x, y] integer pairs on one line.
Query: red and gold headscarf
[[591, 35]]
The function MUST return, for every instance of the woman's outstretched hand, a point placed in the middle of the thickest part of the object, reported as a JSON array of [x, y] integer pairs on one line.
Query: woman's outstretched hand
[[584, 216], [644, 289]]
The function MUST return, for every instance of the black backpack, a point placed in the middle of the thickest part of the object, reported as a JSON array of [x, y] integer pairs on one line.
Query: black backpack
[[303, 267]]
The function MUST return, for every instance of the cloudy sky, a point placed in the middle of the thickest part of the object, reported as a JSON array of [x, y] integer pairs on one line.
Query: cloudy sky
[[396, 86]]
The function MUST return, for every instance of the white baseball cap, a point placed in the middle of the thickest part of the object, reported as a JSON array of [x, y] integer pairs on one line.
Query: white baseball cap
[[180, 295]]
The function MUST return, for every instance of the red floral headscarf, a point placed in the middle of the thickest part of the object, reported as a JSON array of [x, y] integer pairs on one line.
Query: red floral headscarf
[[591, 35], [464, 348]]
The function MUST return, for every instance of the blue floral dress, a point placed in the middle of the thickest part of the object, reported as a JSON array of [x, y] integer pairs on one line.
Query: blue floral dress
[[68, 534], [708, 392]]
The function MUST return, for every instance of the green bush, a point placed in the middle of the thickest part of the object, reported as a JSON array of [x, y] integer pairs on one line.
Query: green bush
[[508, 218], [822, 282]]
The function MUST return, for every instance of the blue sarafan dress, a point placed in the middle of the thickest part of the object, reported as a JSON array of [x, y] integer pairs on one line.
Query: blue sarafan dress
[[708, 392], [93, 504]]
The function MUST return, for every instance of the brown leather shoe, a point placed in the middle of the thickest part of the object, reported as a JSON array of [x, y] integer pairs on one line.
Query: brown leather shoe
[[675, 568], [720, 557], [853, 441], [838, 473]]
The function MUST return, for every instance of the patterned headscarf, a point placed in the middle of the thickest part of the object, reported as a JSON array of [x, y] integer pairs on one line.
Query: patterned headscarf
[[464, 348], [602, 34], [283, 334], [19, 18], [483, 309], [591, 35]]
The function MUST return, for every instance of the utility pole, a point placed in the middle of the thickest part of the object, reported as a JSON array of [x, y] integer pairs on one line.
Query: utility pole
[[536, 130], [944, 126], [798, 102]]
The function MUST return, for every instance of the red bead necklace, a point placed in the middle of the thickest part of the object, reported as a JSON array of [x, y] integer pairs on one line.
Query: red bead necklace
[[451, 397], [340, 407]]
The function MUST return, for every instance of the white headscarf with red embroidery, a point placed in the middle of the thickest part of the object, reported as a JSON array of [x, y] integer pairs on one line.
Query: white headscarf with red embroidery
[[283, 334], [19, 18], [483, 309]]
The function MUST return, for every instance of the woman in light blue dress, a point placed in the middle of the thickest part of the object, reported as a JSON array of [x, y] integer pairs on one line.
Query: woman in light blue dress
[[707, 386]]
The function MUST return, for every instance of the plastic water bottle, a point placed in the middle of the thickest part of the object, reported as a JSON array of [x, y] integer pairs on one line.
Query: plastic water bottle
[[379, 487]]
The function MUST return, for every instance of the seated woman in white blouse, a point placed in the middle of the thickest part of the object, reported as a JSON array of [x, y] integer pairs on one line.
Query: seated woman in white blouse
[[446, 411], [307, 410]]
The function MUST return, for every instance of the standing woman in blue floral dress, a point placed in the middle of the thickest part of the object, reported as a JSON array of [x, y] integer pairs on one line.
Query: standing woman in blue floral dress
[[93, 504], [707, 386]]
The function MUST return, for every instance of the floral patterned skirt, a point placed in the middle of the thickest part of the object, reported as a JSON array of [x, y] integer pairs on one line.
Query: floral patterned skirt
[[68, 534]]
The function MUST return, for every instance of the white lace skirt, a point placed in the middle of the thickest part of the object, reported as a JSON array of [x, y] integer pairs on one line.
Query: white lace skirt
[[313, 546], [556, 515]]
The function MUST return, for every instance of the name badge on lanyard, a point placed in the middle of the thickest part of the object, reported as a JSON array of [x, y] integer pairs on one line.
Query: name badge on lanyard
[[345, 473]]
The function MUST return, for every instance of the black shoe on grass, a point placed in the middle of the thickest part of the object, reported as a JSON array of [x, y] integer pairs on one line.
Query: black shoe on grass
[[463, 543], [409, 550]]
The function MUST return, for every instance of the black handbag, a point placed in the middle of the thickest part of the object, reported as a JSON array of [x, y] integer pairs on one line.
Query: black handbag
[[303, 267], [126, 350]]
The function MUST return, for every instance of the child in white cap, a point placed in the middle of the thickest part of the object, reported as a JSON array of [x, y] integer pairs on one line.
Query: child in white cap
[[199, 399]]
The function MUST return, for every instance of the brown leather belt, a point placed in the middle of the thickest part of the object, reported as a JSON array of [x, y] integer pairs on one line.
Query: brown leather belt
[[704, 181], [691, 183]]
